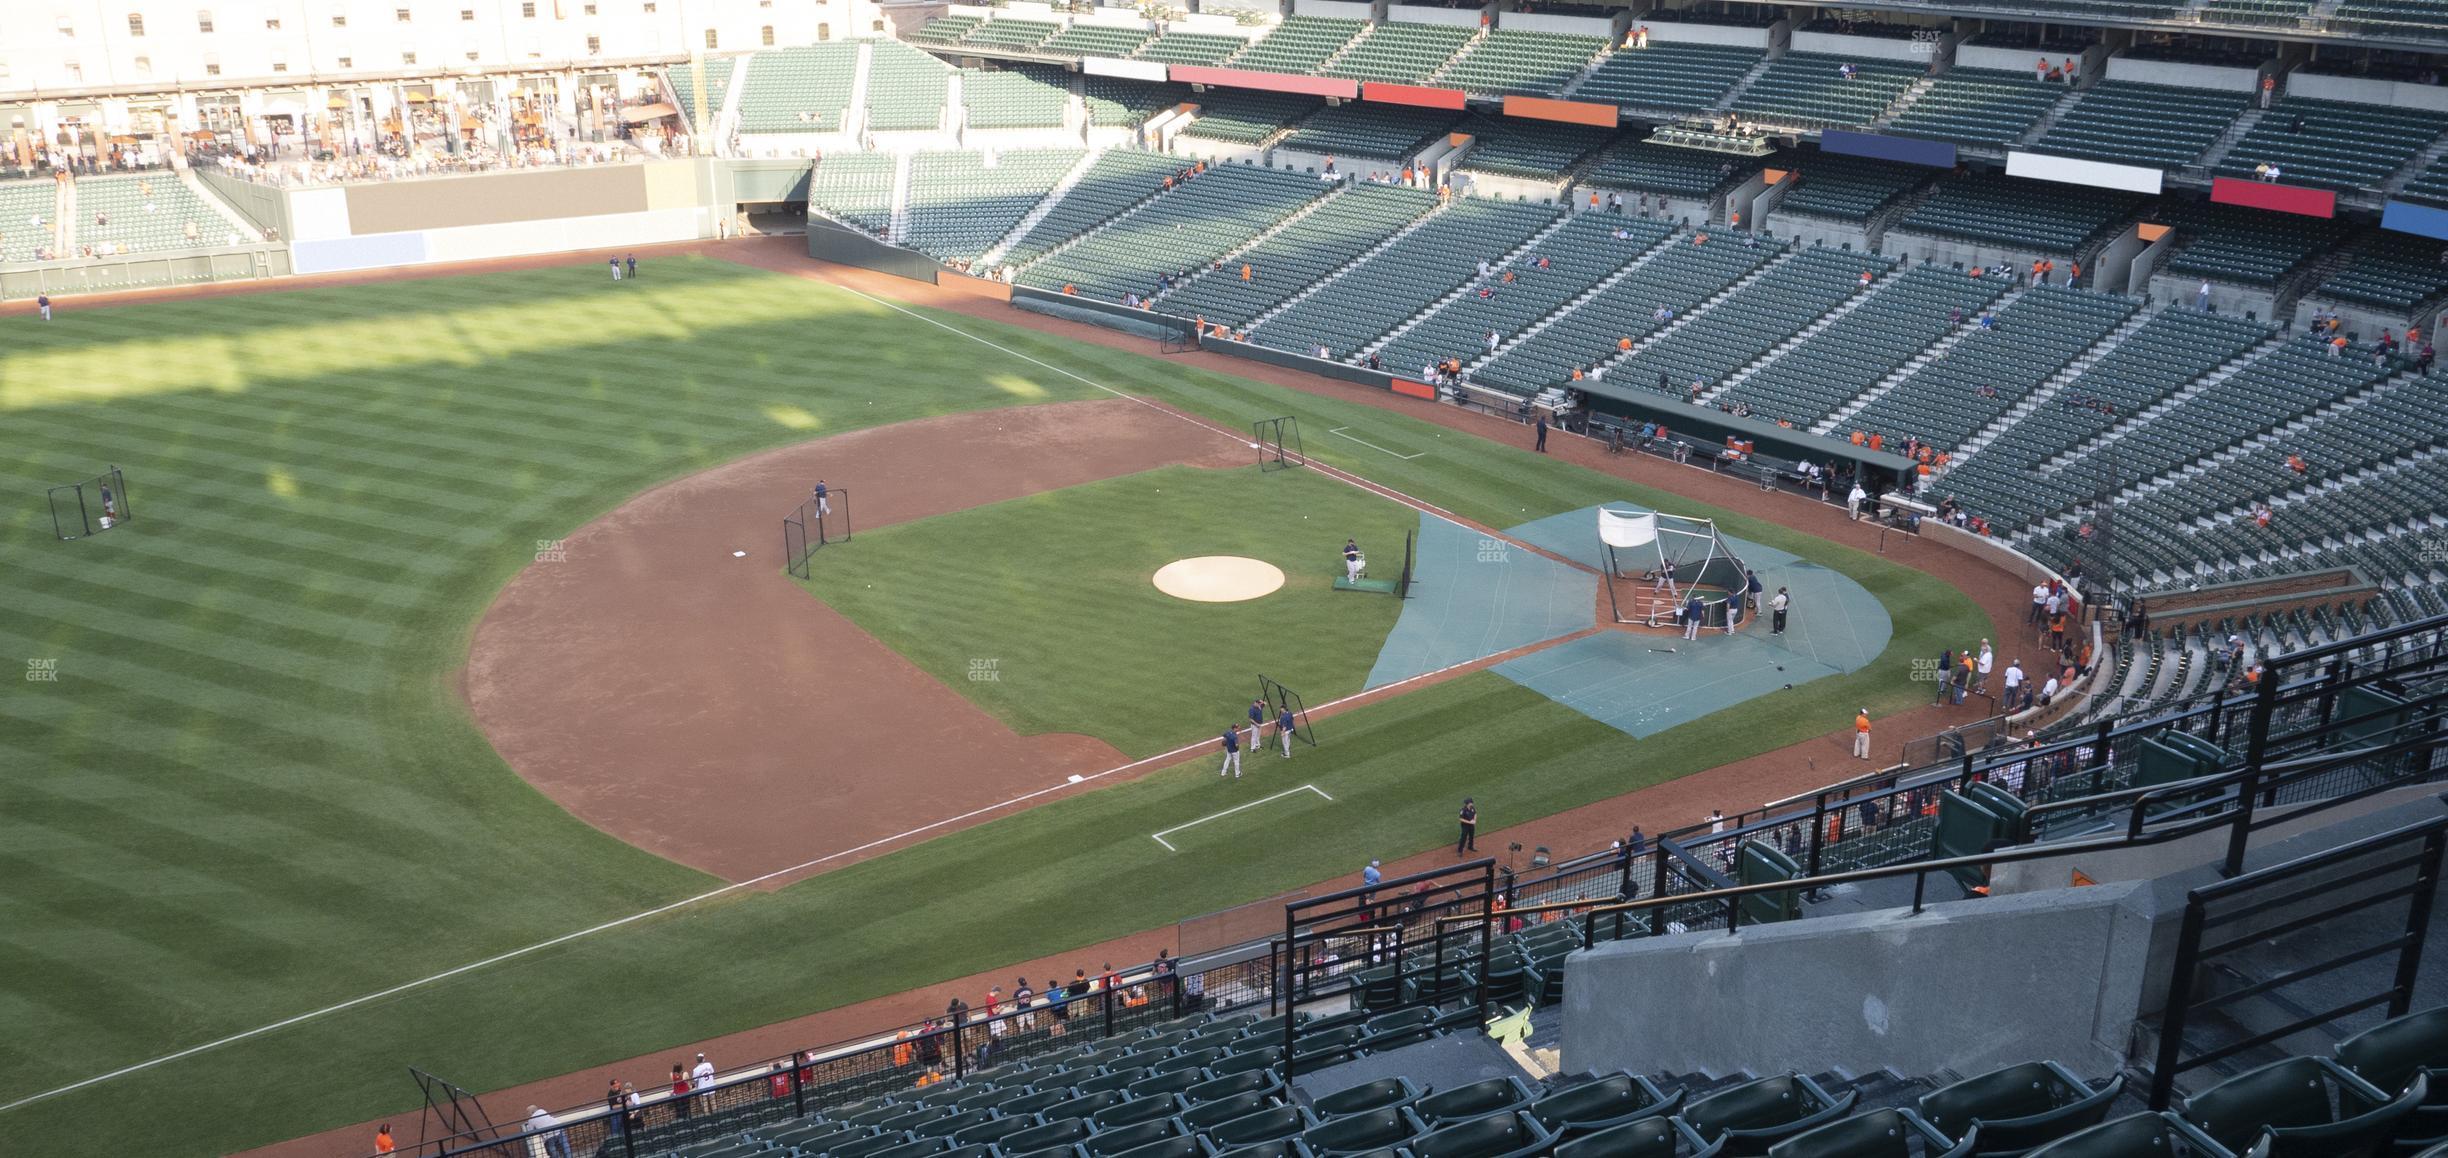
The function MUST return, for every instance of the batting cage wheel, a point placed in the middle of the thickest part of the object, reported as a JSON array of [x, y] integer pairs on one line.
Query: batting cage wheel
[[90, 506], [1278, 443]]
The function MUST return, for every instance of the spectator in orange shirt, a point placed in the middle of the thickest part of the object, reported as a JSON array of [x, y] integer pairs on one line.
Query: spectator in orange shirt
[[1858, 438], [382, 1139]]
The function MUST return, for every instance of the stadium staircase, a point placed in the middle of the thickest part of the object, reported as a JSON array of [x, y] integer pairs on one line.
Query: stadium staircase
[[900, 198], [1578, 300], [1391, 240], [1232, 259], [2056, 113], [994, 253], [1904, 102], [1881, 278], [1740, 284], [1726, 99], [2421, 163], [2049, 390], [2179, 397], [68, 217], [2203, 166], [727, 116], [1519, 253], [1837, 418]]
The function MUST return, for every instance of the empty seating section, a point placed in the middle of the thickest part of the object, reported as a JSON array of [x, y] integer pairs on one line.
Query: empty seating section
[[1377, 294], [1530, 63], [1305, 253], [1668, 76], [2175, 347], [717, 83], [2423, 18], [905, 88], [1014, 99], [2429, 186], [803, 90], [1678, 277], [1984, 375], [2331, 144], [1717, 341], [2272, 391], [1011, 33], [1809, 90], [854, 187], [1128, 102], [1247, 117], [2283, 13], [1402, 53], [1182, 229], [1114, 182], [1992, 208], [20, 203], [146, 222], [1899, 319], [1193, 48], [1522, 148], [1851, 188], [1632, 164], [2245, 245], [1389, 134], [2390, 269], [947, 29], [959, 206], [1579, 255], [1097, 40], [1299, 45], [2142, 124], [1978, 106]]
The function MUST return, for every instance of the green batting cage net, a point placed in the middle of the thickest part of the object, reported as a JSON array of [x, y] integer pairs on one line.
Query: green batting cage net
[[1655, 563]]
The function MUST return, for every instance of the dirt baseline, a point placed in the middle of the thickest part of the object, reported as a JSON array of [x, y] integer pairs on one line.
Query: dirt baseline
[[705, 708]]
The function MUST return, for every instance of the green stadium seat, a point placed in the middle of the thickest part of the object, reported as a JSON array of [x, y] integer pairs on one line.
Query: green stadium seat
[[1364, 1131], [1272, 1148], [905, 88], [2290, 1103], [1382, 1094], [1269, 1125], [1880, 1133], [1300, 45], [1474, 1100], [1502, 1135], [1602, 1104], [1011, 33], [1509, 61], [1659, 1137], [2019, 1107], [2144, 1135], [1018, 98], [1209, 1114], [1675, 77], [683, 79], [1182, 1146], [2131, 123], [1122, 1139], [1809, 90], [1366, 132], [1978, 106], [1756, 1115], [793, 90], [1192, 48], [1055, 1132], [1228, 1086], [1097, 40], [1400, 52]]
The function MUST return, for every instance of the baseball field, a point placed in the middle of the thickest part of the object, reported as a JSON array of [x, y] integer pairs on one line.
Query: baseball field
[[425, 710]]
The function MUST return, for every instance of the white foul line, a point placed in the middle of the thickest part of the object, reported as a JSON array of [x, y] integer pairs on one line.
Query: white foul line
[[1372, 445], [1159, 837]]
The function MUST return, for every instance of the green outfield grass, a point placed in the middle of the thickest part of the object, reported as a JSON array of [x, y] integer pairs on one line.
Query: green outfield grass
[[253, 790], [1054, 592]]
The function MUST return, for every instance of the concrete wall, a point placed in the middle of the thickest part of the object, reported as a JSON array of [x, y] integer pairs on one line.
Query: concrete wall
[[1862, 992], [2257, 302], [1670, 32], [1454, 17], [1863, 47], [2182, 75], [1335, 9], [2371, 92], [1542, 22]]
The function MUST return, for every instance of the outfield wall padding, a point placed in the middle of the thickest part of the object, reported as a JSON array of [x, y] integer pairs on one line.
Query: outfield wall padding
[[833, 242], [1070, 308]]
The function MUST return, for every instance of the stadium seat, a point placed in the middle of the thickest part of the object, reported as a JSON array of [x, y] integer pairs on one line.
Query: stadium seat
[[1261, 1060], [788, 90], [1399, 1028], [2392, 1054], [1364, 1131], [1269, 1125], [1880, 1133], [1677, 77], [2019, 1107], [1377, 294], [1172, 1082], [1382, 1094], [1603, 1104], [1273, 1148], [1477, 1099], [2132, 123], [2303, 1106], [1503, 1135], [1181, 1146], [1175, 47], [1358, 135], [1247, 118], [1756, 1115], [1657, 1137], [993, 1132], [1400, 52], [1299, 45], [1055, 1132], [1209, 1114], [1135, 1110], [2143, 1135], [1121, 1139], [1512, 61], [1224, 1087]]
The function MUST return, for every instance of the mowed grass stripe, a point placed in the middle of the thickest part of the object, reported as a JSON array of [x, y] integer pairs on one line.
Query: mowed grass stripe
[[224, 609], [265, 666]]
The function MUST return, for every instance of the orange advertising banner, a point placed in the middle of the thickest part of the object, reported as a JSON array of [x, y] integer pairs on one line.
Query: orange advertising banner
[[1569, 112]]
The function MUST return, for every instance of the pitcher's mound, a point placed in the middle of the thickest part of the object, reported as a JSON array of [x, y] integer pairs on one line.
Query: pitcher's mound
[[1218, 578]]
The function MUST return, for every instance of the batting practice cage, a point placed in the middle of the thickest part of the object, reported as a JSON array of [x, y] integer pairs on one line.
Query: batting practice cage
[[1278, 442], [1654, 563], [1280, 699], [811, 525], [1397, 585], [90, 507]]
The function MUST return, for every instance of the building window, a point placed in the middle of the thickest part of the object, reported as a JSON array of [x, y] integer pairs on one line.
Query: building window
[[407, 58], [280, 66], [212, 65], [527, 9], [467, 15], [471, 54], [650, 7], [144, 66], [824, 32], [136, 24], [339, 18], [67, 27], [712, 41], [594, 45], [76, 72], [400, 14], [590, 8], [348, 62], [271, 23], [204, 21], [765, 36]]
